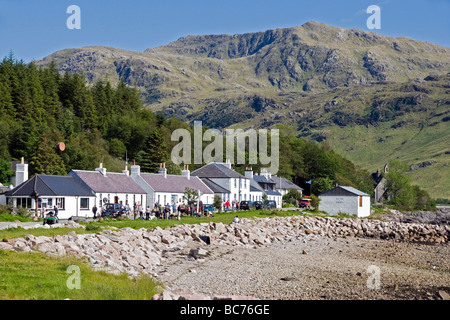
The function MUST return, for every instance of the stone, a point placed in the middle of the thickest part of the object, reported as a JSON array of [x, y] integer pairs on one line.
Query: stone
[[444, 295]]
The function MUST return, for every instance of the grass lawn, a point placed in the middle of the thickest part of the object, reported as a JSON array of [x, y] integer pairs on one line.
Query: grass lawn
[[224, 217], [34, 276]]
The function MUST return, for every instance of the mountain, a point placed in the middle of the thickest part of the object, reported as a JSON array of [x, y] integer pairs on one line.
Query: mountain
[[372, 98]]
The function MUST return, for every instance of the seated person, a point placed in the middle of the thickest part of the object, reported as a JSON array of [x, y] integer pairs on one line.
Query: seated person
[[50, 218]]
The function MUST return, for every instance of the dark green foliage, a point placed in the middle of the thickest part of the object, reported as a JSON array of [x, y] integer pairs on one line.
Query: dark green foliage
[[402, 194], [292, 197], [155, 152], [39, 108]]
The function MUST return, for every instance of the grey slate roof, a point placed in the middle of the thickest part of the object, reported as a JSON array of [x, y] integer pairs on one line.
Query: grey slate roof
[[262, 179], [216, 170], [47, 185], [174, 183], [283, 183], [111, 183], [272, 193], [342, 191], [214, 186]]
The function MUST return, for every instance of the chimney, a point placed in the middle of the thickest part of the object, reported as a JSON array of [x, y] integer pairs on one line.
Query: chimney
[[101, 169], [228, 163], [162, 169], [265, 173], [21, 172], [249, 172], [186, 173], [135, 170], [126, 172]]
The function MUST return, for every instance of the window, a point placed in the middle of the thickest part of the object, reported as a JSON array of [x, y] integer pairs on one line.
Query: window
[[24, 203], [61, 203], [235, 183], [84, 203]]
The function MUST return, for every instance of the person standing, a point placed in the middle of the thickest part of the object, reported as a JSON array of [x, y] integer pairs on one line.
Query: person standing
[[147, 213], [55, 209], [94, 211]]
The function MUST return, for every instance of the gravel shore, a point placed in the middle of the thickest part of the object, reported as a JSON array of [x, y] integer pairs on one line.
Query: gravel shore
[[314, 267]]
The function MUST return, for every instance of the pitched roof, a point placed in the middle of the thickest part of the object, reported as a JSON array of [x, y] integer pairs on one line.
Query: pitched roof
[[47, 185], [272, 193], [262, 179], [283, 183], [174, 183], [216, 170], [255, 187], [112, 182], [214, 186], [343, 190]]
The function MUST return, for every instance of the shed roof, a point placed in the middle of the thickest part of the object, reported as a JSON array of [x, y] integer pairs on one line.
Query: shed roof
[[343, 190]]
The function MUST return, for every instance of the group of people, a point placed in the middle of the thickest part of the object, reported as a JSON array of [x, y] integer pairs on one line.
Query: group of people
[[160, 211]]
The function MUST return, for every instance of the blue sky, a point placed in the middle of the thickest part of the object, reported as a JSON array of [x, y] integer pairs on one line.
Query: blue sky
[[34, 29]]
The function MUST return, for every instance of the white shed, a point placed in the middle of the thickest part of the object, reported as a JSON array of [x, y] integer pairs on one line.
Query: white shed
[[347, 200]]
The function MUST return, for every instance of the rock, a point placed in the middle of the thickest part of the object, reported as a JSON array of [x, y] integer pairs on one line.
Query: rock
[[304, 252], [168, 239], [444, 295]]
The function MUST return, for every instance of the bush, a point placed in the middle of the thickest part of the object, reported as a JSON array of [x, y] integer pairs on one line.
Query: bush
[[315, 202]]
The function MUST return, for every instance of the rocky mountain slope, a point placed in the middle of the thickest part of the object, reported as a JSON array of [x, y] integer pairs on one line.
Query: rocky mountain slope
[[373, 98]]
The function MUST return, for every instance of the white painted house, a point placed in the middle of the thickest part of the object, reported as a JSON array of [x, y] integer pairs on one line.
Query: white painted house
[[347, 200], [237, 185], [163, 188], [44, 192], [111, 187]]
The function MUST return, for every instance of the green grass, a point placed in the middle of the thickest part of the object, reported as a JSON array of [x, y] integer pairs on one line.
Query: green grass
[[6, 217], [224, 217], [34, 276], [21, 232]]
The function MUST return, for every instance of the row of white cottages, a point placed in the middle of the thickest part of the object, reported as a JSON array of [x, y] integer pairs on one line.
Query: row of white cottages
[[78, 192]]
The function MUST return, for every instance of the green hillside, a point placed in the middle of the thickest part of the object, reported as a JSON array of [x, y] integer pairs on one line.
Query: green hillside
[[373, 98]]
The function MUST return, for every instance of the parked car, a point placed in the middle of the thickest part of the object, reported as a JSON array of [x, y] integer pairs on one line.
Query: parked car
[[244, 205], [258, 205], [305, 203], [114, 210], [209, 207], [270, 204]]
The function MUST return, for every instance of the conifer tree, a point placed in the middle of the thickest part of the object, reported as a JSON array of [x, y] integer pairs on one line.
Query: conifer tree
[[155, 152]]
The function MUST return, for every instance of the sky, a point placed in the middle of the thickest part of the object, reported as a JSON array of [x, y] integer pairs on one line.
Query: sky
[[32, 29]]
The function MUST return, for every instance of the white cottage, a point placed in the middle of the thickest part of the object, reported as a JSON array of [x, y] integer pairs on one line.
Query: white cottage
[[163, 188], [347, 200], [111, 187], [237, 185], [45, 192]]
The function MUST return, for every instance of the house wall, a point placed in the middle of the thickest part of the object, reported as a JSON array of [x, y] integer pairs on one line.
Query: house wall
[[126, 198], [228, 183], [364, 211], [256, 196], [72, 206], [334, 205]]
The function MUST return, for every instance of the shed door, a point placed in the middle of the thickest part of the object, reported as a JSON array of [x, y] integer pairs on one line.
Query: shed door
[[360, 201]]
